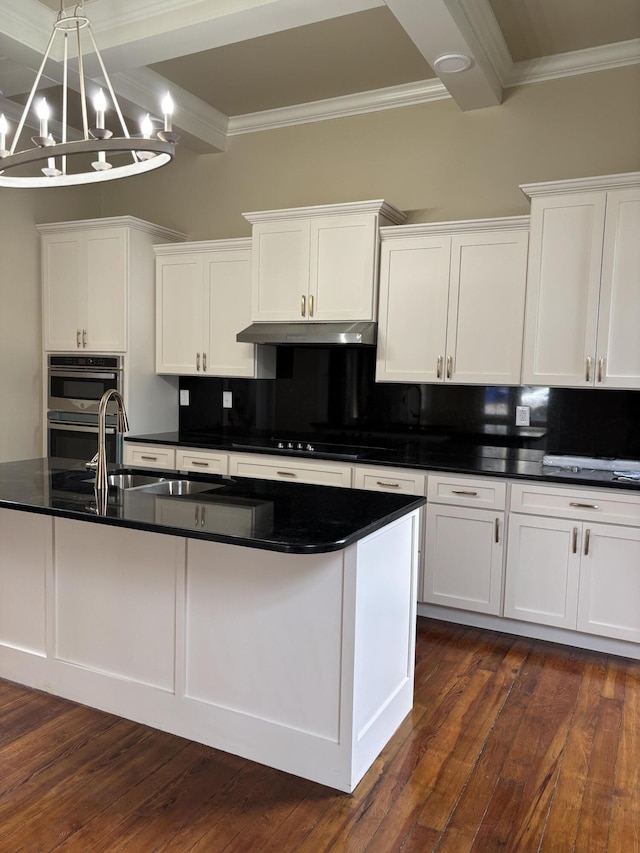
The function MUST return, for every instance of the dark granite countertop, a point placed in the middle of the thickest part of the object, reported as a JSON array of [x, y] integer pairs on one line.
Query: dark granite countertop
[[292, 518], [429, 454]]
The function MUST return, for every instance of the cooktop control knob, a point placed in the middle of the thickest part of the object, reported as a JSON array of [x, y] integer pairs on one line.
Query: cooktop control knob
[[280, 446], [290, 446], [300, 447], [309, 447]]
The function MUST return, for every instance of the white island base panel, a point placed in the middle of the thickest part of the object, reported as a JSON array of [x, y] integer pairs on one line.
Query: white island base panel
[[300, 662]]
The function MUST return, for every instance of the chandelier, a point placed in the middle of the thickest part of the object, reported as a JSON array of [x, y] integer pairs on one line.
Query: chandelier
[[62, 162]]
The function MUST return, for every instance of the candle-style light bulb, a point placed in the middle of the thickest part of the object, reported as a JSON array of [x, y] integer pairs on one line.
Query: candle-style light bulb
[[100, 105], [167, 111], [146, 127], [42, 112], [4, 127]]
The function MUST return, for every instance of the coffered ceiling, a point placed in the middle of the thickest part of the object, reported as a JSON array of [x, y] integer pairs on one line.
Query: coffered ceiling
[[239, 66]]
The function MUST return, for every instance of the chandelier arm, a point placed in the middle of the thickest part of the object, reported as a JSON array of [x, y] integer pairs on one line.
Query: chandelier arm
[[27, 106], [83, 94]]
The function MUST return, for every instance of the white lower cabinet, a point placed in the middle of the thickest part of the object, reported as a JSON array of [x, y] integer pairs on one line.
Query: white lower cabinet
[[266, 467], [464, 543], [568, 569], [202, 461], [149, 456], [543, 567]]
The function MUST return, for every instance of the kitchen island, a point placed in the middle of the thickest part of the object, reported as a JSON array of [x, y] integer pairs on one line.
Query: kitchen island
[[280, 627]]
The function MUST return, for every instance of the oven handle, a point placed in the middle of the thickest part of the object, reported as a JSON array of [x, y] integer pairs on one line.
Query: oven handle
[[84, 373], [77, 428]]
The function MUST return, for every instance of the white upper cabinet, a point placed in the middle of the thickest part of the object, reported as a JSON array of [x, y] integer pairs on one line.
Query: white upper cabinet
[[203, 299], [87, 269], [452, 302], [583, 293], [317, 263]]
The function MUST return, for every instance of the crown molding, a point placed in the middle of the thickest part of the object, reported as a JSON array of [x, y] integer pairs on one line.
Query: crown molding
[[233, 244], [392, 97], [464, 226], [380, 207], [582, 185], [158, 231], [601, 58]]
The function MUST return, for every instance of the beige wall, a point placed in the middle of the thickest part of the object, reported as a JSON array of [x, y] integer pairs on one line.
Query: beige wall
[[433, 161], [20, 313]]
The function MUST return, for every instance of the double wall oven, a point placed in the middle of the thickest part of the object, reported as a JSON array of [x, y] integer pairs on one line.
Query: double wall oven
[[75, 385]]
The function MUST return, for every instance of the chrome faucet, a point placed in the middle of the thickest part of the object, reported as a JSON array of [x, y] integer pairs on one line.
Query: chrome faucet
[[99, 461]]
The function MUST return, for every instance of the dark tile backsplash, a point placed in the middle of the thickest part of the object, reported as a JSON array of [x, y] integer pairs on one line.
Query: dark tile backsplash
[[330, 391]]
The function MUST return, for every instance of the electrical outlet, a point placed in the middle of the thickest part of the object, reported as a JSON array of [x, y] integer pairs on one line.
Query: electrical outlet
[[227, 400], [523, 415]]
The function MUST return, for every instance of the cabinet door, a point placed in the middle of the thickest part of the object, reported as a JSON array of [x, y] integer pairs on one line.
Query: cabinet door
[[280, 270], [179, 314], [342, 268], [486, 307], [106, 290], [227, 278], [563, 287], [63, 308], [543, 566], [464, 558], [618, 363], [610, 582], [414, 295]]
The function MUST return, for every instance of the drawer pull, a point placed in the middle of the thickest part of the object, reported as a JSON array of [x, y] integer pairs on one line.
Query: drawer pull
[[600, 368], [78, 338], [287, 473], [574, 547], [497, 529], [439, 368], [199, 464], [588, 370], [449, 366], [584, 506], [303, 306], [465, 492], [84, 337], [388, 485], [149, 458], [587, 537], [197, 361]]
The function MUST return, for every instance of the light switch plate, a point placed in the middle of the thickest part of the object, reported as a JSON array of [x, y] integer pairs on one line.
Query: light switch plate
[[227, 400], [184, 396]]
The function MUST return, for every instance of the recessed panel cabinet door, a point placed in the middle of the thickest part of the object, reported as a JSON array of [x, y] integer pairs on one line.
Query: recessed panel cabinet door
[[228, 284], [563, 289], [179, 313], [107, 279], [414, 299], [543, 566], [342, 268], [486, 314], [464, 558], [618, 364], [609, 600], [280, 270], [63, 291]]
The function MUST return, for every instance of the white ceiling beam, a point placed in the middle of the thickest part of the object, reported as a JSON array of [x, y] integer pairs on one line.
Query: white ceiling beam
[[438, 27]]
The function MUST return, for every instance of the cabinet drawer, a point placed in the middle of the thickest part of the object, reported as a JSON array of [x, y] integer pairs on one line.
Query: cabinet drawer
[[488, 494], [204, 461], [149, 456], [271, 468], [584, 504], [389, 480]]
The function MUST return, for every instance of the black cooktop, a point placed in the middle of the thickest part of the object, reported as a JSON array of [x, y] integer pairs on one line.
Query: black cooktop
[[294, 447]]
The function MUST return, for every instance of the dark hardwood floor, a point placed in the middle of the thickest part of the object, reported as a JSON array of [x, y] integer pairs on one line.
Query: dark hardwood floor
[[512, 745]]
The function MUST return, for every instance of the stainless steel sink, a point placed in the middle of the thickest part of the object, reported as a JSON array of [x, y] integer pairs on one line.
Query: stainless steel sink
[[159, 485]]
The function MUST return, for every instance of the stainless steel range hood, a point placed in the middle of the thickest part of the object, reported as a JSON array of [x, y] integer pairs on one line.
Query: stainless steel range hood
[[299, 334]]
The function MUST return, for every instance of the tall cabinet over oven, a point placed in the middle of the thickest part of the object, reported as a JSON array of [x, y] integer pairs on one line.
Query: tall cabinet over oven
[[98, 294]]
